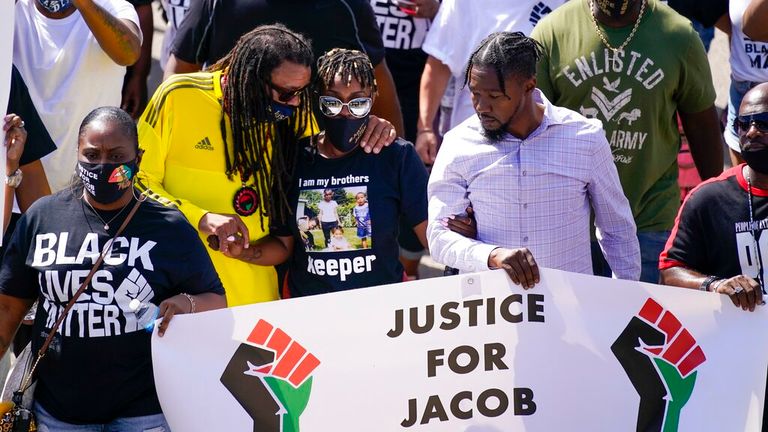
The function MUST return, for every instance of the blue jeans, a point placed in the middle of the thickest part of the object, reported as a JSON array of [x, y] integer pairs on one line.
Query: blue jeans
[[151, 423], [651, 245], [706, 34]]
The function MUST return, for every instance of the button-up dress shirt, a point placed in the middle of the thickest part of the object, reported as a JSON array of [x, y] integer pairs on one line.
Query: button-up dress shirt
[[535, 193]]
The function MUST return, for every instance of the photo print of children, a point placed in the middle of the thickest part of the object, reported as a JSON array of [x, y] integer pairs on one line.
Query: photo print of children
[[334, 220]]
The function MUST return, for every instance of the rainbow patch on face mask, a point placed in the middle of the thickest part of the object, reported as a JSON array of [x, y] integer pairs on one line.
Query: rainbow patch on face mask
[[122, 175]]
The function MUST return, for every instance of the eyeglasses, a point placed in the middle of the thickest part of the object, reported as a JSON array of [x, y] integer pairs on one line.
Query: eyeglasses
[[284, 95], [760, 120], [358, 107]]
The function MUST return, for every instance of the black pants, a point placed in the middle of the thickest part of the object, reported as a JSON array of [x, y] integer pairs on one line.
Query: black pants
[[327, 227]]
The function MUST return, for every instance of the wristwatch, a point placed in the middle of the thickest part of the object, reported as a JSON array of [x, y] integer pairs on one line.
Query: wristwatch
[[14, 180], [707, 283]]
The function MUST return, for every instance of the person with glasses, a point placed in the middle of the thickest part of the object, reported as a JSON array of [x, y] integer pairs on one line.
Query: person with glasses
[[719, 243], [334, 168], [222, 145]]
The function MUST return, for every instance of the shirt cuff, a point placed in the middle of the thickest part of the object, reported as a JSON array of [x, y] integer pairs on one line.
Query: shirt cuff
[[479, 257], [193, 214]]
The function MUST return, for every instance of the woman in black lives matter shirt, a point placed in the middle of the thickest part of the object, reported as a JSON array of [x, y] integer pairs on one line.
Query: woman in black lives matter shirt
[[98, 371]]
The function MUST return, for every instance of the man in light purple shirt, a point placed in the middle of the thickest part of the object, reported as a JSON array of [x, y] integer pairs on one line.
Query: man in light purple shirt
[[531, 171]]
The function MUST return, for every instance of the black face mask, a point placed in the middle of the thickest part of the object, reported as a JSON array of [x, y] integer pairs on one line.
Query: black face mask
[[616, 8], [106, 183], [757, 159], [345, 132]]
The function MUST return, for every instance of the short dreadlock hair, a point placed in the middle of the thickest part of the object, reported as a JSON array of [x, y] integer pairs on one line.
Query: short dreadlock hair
[[348, 64], [247, 101], [509, 53]]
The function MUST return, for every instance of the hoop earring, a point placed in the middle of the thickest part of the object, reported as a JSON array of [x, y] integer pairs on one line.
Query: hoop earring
[[142, 196]]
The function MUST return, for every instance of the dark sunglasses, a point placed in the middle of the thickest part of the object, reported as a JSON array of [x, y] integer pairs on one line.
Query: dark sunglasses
[[743, 123], [284, 95]]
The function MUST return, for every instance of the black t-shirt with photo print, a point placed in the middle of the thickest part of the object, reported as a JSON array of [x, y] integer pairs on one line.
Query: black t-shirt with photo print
[[101, 368], [372, 192]]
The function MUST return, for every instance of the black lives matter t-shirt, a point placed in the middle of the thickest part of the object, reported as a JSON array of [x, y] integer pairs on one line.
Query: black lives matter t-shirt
[[713, 233], [369, 194], [101, 366]]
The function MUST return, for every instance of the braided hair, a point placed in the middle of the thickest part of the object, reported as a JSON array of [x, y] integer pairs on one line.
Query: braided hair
[[509, 53], [247, 101], [348, 64]]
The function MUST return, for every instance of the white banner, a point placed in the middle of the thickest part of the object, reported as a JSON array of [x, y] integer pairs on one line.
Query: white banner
[[470, 353], [6, 60]]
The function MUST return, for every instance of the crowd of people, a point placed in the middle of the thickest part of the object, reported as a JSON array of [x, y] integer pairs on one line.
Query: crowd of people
[[305, 147]]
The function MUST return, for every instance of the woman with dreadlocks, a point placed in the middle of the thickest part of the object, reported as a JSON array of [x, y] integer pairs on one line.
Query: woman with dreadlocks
[[371, 191], [221, 145]]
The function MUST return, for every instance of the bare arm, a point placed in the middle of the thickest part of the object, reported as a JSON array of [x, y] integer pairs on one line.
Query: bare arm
[[119, 38], [135, 89], [180, 304], [387, 105], [12, 311], [421, 233], [724, 24], [266, 251], [33, 187], [705, 140], [753, 23], [434, 81], [682, 277], [743, 291], [176, 65]]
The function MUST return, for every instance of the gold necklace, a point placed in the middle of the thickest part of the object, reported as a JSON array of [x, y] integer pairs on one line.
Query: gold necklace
[[106, 223], [604, 38]]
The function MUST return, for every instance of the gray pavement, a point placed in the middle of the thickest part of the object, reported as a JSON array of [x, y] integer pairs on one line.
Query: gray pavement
[[718, 60]]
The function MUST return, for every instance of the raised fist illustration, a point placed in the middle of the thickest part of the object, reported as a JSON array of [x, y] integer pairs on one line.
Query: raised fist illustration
[[538, 12], [270, 377], [660, 358], [133, 287]]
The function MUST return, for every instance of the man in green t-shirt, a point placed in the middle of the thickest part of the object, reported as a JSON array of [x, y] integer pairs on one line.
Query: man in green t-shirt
[[633, 64]]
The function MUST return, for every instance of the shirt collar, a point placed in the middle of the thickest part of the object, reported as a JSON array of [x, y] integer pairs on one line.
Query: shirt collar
[[552, 114], [217, 91]]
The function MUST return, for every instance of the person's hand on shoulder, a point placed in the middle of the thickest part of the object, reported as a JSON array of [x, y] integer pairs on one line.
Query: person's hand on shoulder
[[378, 134]]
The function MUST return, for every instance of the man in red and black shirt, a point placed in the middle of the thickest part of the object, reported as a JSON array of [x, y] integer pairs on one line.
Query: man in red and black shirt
[[720, 239]]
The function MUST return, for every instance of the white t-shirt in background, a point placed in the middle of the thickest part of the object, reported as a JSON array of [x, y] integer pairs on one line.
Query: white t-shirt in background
[[68, 75], [459, 27], [749, 59]]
